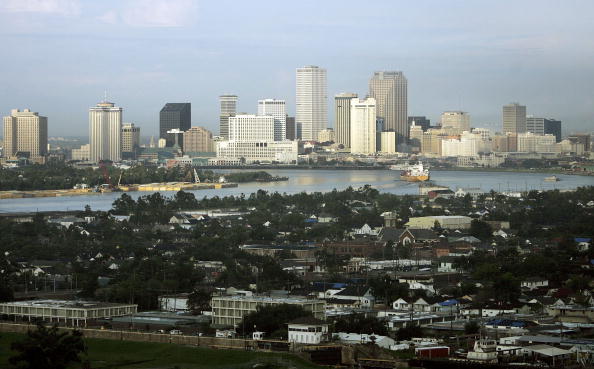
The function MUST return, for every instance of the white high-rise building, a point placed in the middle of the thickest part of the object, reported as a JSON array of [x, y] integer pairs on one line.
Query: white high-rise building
[[251, 128], [459, 120], [390, 90], [25, 132], [363, 126], [105, 132], [275, 108], [312, 102]]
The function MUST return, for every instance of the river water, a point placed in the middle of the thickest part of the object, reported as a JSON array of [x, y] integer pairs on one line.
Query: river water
[[318, 180]]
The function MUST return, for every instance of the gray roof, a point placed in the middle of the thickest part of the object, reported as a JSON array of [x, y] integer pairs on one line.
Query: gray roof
[[175, 107]]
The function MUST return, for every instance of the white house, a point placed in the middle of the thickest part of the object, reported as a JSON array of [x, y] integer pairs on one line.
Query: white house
[[307, 330], [535, 283], [446, 266], [356, 295], [401, 304]]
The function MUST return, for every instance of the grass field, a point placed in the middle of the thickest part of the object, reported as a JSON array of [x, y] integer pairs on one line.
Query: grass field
[[107, 354]]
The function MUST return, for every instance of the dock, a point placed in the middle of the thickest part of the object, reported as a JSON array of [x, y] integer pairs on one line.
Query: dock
[[149, 187]]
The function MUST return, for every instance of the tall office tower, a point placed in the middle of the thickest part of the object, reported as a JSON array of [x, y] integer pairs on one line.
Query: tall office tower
[[363, 126], [514, 118], [25, 132], [312, 102], [275, 108], [290, 128], [130, 140], [254, 128], [543, 126], [174, 116], [105, 132], [458, 120], [420, 121], [389, 89], [228, 108], [198, 139], [342, 117]]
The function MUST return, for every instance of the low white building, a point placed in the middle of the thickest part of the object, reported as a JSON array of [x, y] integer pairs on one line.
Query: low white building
[[355, 338], [284, 152], [307, 330]]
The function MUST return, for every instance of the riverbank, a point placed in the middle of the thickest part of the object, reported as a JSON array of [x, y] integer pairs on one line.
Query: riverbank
[[150, 187], [515, 170]]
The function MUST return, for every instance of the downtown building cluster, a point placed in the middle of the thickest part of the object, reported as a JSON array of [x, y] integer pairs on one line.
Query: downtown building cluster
[[376, 125]]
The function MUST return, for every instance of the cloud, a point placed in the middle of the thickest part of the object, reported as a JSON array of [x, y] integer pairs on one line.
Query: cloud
[[111, 17], [159, 13], [60, 7]]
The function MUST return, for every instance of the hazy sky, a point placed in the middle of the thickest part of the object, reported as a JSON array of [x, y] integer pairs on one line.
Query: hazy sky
[[59, 56]]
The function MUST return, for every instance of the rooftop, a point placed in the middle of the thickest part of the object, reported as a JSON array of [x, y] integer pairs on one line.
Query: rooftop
[[70, 304]]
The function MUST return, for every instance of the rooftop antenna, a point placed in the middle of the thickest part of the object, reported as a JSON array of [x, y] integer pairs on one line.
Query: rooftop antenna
[[105, 96]]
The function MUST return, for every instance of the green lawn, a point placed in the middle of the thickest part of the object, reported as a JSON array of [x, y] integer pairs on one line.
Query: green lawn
[[106, 354]]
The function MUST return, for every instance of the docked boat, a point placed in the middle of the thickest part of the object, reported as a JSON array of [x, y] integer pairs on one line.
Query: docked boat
[[552, 179], [415, 173]]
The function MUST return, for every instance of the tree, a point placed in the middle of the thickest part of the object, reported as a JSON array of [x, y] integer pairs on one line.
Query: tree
[[359, 323], [48, 348], [481, 230], [199, 301], [272, 319], [471, 327]]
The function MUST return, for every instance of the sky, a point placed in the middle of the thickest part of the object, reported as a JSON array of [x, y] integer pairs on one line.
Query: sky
[[60, 56]]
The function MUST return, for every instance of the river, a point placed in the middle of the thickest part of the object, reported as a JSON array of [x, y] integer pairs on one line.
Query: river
[[321, 180]]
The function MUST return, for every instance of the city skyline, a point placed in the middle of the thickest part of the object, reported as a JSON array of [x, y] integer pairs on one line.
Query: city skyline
[[478, 66]]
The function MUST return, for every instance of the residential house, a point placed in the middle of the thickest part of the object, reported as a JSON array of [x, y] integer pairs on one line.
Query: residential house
[[360, 295]]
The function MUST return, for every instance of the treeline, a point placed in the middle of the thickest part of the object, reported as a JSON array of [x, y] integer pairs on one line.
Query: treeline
[[59, 176]]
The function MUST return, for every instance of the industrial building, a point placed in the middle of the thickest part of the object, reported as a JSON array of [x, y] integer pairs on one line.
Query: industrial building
[[449, 222], [230, 310], [70, 312]]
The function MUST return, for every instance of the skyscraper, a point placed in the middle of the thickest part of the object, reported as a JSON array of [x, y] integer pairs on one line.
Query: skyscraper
[[25, 132], [275, 108], [389, 89], [514, 118], [174, 116], [342, 117], [105, 132], [198, 139], [459, 120], [130, 140], [543, 126], [290, 128], [312, 102], [228, 108], [363, 126]]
